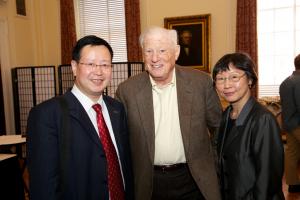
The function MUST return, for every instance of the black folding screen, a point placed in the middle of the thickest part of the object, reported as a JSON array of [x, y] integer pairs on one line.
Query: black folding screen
[[121, 72], [35, 84], [31, 86], [65, 78]]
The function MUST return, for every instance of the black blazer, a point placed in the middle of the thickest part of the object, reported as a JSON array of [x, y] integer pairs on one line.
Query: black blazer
[[86, 172], [251, 156]]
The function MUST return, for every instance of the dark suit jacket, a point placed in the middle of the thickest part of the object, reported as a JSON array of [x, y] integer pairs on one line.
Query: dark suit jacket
[[199, 109], [290, 101], [251, 156], [86, 166]]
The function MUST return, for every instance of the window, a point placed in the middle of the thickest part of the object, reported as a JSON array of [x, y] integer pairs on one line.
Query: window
[[105, 19], [278, 29]]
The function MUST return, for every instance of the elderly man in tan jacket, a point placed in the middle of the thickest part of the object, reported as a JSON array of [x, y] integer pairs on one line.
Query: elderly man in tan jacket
[[170, 111]]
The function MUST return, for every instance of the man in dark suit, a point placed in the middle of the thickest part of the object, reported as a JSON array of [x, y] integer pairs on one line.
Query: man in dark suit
[[67, 159], [170, 111]]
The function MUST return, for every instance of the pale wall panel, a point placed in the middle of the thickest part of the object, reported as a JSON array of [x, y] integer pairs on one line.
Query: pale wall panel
[[223, 19]]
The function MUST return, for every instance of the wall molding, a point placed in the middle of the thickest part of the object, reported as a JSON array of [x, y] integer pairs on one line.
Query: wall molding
[[6, 76]]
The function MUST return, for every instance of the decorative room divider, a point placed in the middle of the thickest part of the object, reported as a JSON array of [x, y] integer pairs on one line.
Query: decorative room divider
[[35, 84]]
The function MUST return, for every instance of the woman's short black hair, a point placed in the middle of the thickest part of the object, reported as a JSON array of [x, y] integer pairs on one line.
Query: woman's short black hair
[[89, 40], [241, 61]]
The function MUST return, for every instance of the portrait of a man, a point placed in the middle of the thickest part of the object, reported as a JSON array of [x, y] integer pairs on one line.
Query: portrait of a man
[[21, 8], [193, 38], [190, 47]]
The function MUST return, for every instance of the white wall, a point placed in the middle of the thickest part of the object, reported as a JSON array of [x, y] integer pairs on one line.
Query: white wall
[[223, 19], [28, 40]]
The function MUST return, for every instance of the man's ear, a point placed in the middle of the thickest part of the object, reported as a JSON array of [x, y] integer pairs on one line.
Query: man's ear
[[74, 67]]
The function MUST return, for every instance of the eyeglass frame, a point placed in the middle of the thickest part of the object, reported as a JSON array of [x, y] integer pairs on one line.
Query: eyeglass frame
[[93, 66], [229, 78]]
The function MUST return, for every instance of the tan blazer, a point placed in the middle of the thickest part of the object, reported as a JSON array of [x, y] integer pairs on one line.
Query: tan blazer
[[199, 109]]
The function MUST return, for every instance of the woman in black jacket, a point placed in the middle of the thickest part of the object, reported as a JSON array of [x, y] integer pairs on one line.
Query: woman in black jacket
[[249, 147]]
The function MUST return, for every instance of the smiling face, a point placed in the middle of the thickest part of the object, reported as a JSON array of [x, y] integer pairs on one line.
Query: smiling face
[[160, 55], [92, 80], [236, 93]]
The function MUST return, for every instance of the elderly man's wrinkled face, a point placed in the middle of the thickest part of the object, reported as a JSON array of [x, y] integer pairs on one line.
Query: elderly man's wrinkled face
[[160, 55]]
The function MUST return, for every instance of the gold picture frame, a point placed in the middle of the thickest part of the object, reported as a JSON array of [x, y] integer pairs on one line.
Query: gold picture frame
[[194, 40]]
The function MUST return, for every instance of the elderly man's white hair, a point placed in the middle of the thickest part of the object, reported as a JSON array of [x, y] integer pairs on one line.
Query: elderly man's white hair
[[170, 33]]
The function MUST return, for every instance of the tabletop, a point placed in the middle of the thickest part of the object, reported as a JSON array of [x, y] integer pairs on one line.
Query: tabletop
[[11, 139], [4, 156]]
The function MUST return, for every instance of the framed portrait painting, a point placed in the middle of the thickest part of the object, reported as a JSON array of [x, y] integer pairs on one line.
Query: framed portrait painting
[[21, 7], [194, 40]]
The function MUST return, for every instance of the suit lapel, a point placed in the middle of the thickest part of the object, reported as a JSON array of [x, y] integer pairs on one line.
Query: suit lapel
[[238, 128], [114, 115], [145, 108], [228, 138], [78, 113], [185, 105], [223, 128]]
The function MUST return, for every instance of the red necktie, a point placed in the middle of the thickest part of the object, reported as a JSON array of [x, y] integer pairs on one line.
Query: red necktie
[[115, 182]]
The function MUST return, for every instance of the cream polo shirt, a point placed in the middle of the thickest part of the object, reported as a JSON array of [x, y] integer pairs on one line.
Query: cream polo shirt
[[168, 140]]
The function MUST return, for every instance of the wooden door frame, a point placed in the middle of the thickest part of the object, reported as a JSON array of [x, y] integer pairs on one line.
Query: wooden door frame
[[2, 114], [6, 76]]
